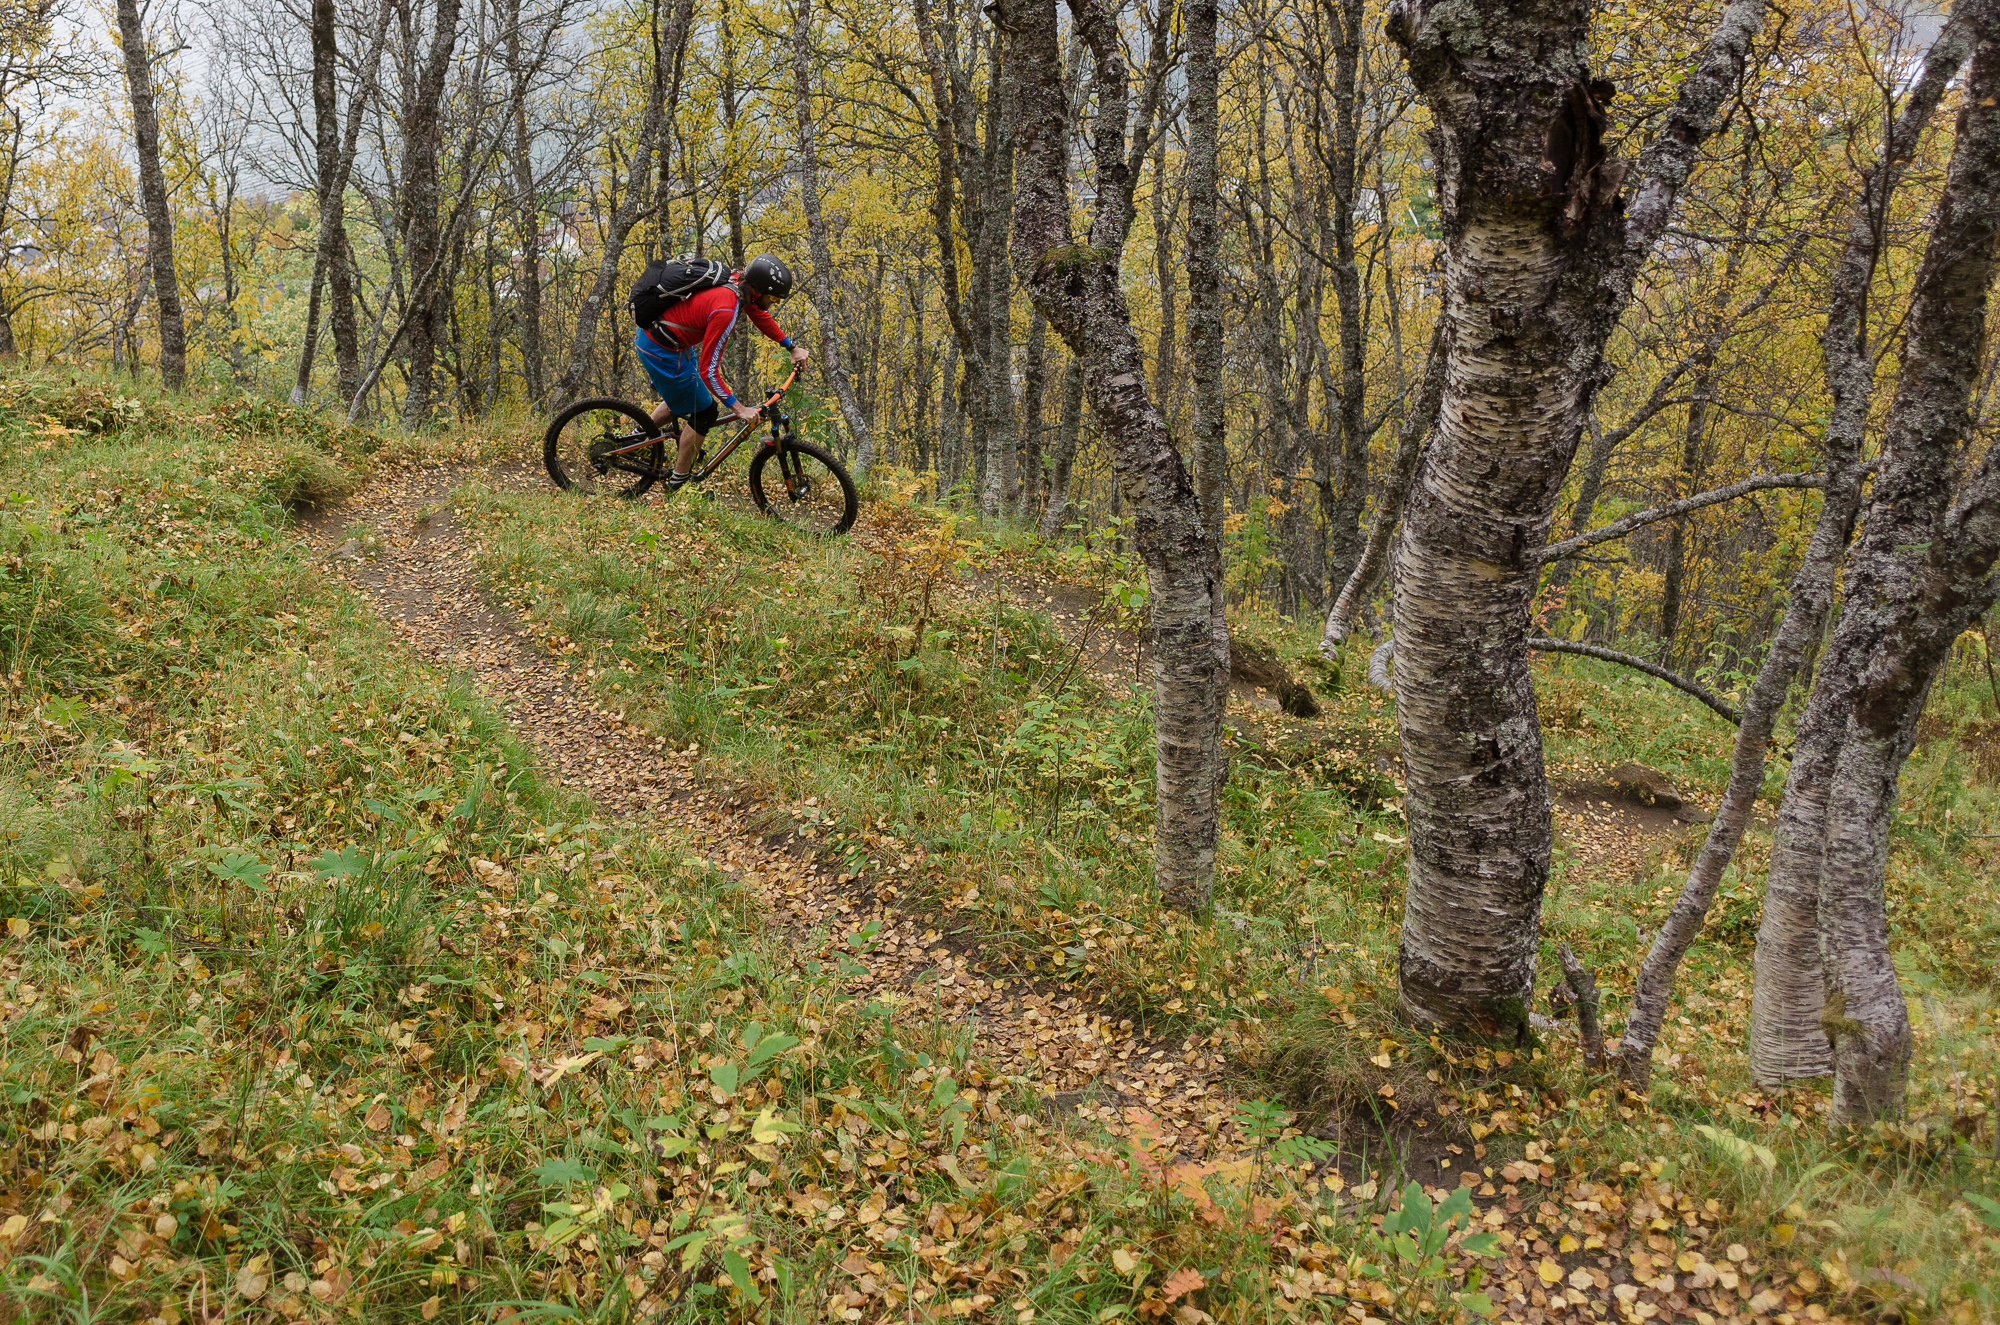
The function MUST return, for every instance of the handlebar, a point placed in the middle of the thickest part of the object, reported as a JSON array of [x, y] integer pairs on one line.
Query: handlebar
[[778, 392]]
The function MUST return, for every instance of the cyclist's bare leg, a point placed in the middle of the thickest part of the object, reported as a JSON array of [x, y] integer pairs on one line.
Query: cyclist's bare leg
[[690, 444], [690, 439]]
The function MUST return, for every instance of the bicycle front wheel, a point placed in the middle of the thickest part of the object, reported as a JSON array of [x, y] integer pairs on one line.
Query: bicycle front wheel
[[805, 488], [599, 446]]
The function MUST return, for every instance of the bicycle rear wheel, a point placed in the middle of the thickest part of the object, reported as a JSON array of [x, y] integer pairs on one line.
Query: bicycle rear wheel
[[816, 496], [576, 449]]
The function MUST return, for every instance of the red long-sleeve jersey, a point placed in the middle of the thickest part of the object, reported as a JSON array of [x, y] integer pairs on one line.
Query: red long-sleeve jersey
[[704, 322]]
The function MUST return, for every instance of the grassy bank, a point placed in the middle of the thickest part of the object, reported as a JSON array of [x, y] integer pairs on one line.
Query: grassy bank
[[879, 688], [320, 1003]]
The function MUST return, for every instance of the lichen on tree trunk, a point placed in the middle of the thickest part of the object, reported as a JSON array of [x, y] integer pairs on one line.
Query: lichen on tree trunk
[[1850, 375], [1538, 266], [1076, 287]]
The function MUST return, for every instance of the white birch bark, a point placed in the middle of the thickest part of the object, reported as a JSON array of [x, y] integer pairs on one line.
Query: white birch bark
[[1538, 267], [1921, 574], [833, 357], [1811, 588], [1076, 286]]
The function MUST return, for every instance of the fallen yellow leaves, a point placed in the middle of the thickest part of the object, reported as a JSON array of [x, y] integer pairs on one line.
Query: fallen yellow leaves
[[254, 1277]]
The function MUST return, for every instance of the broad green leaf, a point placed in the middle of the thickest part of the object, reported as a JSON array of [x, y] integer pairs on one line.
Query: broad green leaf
[[1458, 1205], [770, 1047], [1743, 1152], [769, 1127], [562, 1172], [1480, 1244], [739, 1274], [1479, 1304], [691, 1253]]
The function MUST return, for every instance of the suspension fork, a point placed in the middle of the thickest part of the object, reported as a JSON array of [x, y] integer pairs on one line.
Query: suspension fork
[[789, 464]]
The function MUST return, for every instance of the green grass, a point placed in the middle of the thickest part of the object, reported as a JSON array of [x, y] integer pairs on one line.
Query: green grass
[[791, 665], [320, 1002]]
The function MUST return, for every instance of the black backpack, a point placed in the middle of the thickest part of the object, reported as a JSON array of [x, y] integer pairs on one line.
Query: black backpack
[[667, 281]]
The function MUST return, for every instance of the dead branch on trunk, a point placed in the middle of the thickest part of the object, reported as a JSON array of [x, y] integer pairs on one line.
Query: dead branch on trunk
[[1674, 679], [1583, 993], [1385, 653], [1569, 547]]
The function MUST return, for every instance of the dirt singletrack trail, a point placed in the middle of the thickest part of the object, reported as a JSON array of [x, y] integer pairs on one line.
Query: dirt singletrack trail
[[400, 543]]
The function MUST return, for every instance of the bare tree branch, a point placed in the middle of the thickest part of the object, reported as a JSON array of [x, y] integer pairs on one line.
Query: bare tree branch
[[1674, 679], [1569, 547]]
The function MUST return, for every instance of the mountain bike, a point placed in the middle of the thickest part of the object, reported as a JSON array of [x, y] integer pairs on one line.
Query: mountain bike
[[604, 445]]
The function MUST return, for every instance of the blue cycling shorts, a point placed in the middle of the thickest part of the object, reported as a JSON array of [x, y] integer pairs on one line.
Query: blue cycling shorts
[[672, 373]]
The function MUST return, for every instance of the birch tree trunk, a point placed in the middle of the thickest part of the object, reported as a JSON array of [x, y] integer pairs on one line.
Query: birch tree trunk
[[1204, 276], [1063, 457], [1034, 380], [1349, 482], [833, 357], [1077, 288], [334, 150], [1920, 575], [1164, 209], [1538, 267], [527, 215], [634, 204], [1694, 431], [1367, 572], [421, 210], [996, 285], [153, 193], [944, 136], [1787, 1041], [1851, 378], [326, 146]]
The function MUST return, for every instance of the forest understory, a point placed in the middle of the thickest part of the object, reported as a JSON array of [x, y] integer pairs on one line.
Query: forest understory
[[429, 896]]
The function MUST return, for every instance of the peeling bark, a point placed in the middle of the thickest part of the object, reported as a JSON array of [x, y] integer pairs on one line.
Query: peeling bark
[[1077, 288], [1919, 577], [1538, 267], [1786, 1038]]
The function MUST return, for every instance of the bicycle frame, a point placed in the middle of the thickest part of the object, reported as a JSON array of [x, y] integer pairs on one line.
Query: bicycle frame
[[729, 448]]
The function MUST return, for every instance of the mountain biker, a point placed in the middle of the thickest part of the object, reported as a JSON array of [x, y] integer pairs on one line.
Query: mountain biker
[[688, 374]]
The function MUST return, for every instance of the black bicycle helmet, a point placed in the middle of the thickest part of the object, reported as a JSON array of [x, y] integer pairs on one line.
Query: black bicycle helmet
[[768, 276]]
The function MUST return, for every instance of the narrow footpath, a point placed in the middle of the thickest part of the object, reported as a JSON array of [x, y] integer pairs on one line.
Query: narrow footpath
[[400, 543]]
